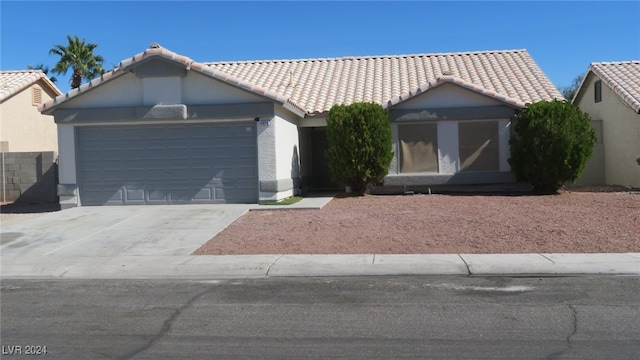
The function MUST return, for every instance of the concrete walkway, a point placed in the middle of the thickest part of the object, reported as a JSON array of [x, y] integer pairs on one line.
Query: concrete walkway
[[255, 266], [167, 265]]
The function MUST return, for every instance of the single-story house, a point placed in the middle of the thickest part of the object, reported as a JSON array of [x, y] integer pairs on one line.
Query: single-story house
[[610, 94], [22, 127], [165, 129]]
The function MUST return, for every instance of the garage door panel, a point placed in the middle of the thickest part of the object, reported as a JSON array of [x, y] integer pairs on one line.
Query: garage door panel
[[135, 195], [204, 194], [105, 196], [157, 194], [167, 164]]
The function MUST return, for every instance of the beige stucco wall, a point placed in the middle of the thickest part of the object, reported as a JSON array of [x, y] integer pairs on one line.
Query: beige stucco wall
[[620, 134], [24, 127]]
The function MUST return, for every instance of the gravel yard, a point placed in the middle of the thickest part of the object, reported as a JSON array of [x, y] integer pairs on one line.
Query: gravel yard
[[575, 221]]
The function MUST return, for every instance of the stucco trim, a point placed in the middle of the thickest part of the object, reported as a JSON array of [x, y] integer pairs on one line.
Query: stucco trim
[[279, 185], [164, 112], [232, 111], [489, 177], [68, 196], [464, 113], [67, 190]]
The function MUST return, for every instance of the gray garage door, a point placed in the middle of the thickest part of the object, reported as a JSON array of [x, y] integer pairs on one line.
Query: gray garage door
[[135, 165]]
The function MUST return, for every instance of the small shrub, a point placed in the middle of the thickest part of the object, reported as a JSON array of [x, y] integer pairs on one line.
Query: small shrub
[[359, 149], [553, 141]]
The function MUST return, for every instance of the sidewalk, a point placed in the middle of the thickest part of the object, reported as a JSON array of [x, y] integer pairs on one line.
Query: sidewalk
[[259, 266], [279, 265]]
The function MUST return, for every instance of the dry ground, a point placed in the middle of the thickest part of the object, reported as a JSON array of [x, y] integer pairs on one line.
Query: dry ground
[[575, 221]]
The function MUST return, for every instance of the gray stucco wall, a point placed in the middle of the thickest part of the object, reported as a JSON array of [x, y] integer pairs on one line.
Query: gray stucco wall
[[29, 177]]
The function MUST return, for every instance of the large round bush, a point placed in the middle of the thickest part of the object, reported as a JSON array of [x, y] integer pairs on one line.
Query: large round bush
[[359, 149], [552, 142]]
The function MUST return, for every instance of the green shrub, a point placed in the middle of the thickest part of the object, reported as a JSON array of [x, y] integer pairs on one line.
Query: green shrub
[[359, 149], [552, 142]]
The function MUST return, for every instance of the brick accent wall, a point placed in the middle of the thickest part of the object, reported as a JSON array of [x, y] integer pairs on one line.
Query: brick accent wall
[[29, 177]]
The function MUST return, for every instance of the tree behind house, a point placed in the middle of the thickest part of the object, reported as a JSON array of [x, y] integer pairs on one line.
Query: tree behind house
[[78, 56], [570, 91], [44, 69]]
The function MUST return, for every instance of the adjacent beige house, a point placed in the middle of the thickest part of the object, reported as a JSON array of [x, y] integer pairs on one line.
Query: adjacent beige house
[[610, 94], [22, 127]]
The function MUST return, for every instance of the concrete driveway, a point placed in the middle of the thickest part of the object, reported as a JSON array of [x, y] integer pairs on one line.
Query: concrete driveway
[[119, 231]]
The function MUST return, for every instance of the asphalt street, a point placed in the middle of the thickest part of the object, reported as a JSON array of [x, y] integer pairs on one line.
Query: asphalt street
[[382, 317]]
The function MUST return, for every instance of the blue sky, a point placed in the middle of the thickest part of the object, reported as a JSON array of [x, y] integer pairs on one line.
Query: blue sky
[[563, 37]]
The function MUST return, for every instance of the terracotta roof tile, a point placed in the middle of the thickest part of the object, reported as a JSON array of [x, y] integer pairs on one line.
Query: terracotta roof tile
[[12, 82], [623, 78], [317, 84], [313, 86]]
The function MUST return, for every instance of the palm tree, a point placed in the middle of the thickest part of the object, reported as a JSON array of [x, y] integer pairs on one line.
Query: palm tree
[[44, 69], [79, 57]]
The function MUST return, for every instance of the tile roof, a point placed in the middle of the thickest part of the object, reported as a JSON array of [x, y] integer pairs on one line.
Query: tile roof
[[623, 78], [12, 82], [312, 86], [317, 84]]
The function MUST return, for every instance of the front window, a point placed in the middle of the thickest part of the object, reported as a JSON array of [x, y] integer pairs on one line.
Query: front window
[[418, 147], [478, 146]]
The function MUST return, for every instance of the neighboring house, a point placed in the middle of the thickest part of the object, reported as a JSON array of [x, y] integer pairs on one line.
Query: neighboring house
[[22, 127], [164, 129], [610, 94]]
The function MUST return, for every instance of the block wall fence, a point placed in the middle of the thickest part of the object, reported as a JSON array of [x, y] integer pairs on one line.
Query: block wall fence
[[29, 177]]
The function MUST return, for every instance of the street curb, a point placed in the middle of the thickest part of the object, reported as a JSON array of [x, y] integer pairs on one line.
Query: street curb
[[279, 265]]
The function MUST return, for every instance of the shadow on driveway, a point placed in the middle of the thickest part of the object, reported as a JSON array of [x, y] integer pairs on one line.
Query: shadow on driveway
[[28, 208]]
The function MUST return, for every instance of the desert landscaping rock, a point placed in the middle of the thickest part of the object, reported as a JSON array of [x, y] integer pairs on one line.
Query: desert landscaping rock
[[571, 222]]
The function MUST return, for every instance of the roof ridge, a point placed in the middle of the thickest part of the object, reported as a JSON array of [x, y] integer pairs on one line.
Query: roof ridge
[[615, 62], [22, 71], [364, 57]]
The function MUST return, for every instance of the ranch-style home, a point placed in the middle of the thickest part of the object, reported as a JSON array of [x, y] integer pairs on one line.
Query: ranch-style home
[[610, 94], [165, 129]]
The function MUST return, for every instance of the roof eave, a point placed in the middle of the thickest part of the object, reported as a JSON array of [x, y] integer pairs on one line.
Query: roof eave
[[49, 107], [450, 79], [294, 109]]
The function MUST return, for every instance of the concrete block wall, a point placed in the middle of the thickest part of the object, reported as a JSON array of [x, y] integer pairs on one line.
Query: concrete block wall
[[29, 177]]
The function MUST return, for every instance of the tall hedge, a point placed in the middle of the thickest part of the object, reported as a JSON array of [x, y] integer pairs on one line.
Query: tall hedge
[[359, 149], [552, 143]]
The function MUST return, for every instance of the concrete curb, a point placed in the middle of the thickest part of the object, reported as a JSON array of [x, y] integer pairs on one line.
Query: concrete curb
[[260, 266]]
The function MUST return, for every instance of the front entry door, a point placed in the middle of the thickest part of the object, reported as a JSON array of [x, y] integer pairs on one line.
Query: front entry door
[[320, 176]]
